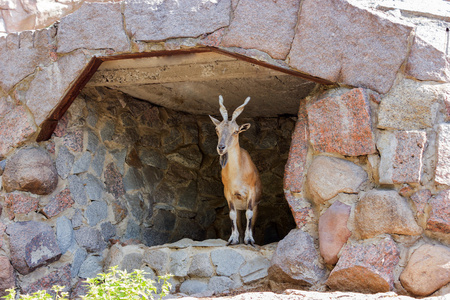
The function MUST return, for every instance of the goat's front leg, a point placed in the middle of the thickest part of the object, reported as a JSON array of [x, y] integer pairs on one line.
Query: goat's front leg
[[250, 214], [234, 238]]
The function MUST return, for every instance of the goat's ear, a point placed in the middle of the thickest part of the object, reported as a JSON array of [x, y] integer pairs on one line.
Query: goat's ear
[[215, 121], [244, 127]]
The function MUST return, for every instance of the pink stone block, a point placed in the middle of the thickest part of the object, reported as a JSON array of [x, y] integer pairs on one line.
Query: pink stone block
[[342, 124], [58, 204], [439, 220], [333, 231], [366, 267], [420, 199], [442, 173]]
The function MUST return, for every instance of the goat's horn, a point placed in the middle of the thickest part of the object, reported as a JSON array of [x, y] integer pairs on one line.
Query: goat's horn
[[240, 109], [223, 110]]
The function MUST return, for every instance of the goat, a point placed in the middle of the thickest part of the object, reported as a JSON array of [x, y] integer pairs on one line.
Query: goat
[[242, 186]]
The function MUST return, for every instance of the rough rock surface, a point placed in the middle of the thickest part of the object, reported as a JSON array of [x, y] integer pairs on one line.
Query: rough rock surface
[[19, 62], [426, 62], [427, 270], [296, 260], [187, 19], [420, 199], [383, 211], [93, 18], [20, 203], [342, 124], [365, 267], [7, 278], [33, 244], [379, 45], [329, 176], [31, 170], [60, 277], [66, 69], [15, 128], [333, 231], [409, 105], [256, 25], [296, 163], [442, 173], [439, 220], [401, 156]]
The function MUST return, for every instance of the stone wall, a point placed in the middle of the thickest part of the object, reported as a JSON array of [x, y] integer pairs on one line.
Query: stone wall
[[366, 178]]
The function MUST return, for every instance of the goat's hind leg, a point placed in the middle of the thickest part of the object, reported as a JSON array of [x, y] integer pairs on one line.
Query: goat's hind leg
[[250, 214], [234, 216]]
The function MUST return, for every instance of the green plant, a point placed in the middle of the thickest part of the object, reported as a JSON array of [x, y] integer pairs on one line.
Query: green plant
[[116, 284]]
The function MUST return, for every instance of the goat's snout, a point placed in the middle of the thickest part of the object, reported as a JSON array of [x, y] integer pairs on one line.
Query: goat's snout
[[220, 147]]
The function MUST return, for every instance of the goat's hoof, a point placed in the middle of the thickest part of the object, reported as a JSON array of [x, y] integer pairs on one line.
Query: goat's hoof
[[250, 242], [232, 242]]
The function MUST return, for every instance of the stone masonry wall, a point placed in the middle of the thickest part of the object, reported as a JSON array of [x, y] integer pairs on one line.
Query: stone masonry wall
[[367, 177]]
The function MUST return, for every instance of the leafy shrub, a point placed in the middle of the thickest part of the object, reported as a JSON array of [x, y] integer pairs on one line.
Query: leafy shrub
[[115, 284]]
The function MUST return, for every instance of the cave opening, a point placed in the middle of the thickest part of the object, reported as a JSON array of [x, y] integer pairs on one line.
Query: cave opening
[[153, 146]]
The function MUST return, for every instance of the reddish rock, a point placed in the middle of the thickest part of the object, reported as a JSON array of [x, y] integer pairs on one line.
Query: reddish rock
[[31, 170], [329, 176], [401, 156], [406, 191], [333, 231], [120, 211], [7, 279], [213, 39], [61, 128], [52, 82], [380, 211], [295, 165], [102, 25], [420, 199], [256, 25], [174, 19], [74, 140], [327, 28], [296, 260], [15, 128], [6, 105], [32, 244], [300, 208], [439, 220], [59, 277], [342, 124], [442, 173], [2, 232], [366, 267], [20, 203], [425, 62], [427, 270], [58, 204], [113, 181], [21, 53]]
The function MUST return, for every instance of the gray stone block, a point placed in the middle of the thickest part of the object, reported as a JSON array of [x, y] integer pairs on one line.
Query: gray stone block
[[78, 258], [179, 263], [77, 190], [94, 187], [192, 286], [64, 233], [227, 261], [133, 180], [220, 284], [90, 238], [137, 206], [108, 230], [91, 267], [98, 160], [77, 218], [82, 164], [201, 266], [64, 162], [96, 212]]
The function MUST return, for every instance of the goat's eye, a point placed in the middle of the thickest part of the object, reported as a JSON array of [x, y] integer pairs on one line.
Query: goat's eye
[[236, 132]]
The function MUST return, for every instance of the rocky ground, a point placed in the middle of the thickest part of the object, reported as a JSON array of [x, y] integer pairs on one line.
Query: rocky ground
[[298, 294]]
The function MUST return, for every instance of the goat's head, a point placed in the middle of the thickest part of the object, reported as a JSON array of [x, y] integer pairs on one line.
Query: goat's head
[[228, 131]]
